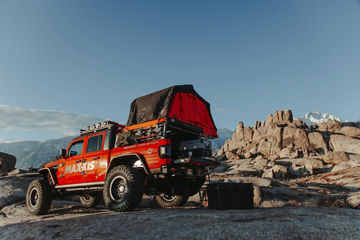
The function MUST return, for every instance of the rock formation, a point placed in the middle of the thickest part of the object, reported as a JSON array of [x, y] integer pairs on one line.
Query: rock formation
[[7, 163], [287, 150], [281, 137]]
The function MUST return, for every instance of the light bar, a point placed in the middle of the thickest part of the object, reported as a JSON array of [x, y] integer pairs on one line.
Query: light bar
[[99, 126]]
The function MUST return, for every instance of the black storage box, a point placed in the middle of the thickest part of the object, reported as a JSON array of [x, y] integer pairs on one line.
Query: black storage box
[[230, 195]]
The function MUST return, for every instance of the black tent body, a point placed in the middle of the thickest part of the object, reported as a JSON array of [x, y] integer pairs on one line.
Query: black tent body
[[157, 105]]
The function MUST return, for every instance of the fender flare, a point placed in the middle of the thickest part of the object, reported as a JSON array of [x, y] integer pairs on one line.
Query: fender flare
[[127, 157], [43, 171]]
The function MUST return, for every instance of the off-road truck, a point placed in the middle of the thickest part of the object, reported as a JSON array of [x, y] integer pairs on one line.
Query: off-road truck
[[162, 151]]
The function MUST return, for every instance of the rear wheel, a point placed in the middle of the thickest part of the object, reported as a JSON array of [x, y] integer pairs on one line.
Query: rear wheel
[[38, 197], [90, 200], [123, 188], [173, 200]]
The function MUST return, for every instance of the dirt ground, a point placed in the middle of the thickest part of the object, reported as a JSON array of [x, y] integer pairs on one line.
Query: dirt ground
[[69, 220]]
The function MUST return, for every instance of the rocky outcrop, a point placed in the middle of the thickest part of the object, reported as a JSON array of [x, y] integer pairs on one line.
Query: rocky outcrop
[[345, 143], [7, 163], [317, 142], [350, 131], [287, 150], [279, 136]]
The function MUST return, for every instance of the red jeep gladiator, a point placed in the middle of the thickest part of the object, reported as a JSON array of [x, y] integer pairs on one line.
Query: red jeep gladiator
[[163, 151]]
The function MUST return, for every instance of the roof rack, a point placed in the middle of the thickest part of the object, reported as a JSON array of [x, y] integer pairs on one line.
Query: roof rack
[[100, 126]]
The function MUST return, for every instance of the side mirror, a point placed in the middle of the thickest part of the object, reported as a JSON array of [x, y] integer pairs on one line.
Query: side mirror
[[63, 153]]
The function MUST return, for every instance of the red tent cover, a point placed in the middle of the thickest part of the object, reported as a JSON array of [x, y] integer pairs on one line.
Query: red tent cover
[[181, 102]]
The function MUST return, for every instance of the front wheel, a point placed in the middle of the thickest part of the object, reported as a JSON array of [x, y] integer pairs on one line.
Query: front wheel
[[123, 188], [38, 197]]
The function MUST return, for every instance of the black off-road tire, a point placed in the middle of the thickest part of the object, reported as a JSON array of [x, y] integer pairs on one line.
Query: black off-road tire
[[123, 188], [166, 201], [90, 200], [38, 197]]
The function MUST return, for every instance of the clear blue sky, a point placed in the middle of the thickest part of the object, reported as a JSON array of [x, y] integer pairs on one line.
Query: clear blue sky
[[247, 58]]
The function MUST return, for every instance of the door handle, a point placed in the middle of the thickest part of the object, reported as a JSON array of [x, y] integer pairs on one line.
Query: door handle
[[84, 160], [77, 161], [62, 164], [96, 158]]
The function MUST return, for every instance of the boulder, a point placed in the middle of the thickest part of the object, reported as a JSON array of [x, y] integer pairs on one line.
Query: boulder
[[268, 174], [230, 155], [350, 131], [244, 171], [298, 123], [269, 123], [312, 164], [264, 147], [285, 152], [256, 181], [294, 136], [330, 126], [353, 200], [257, 196], [344, 143], [294, 154], [7, 163], [336, 157], [282, 117], [274, 136], [317, 142], [221, 151], [280, 171], [261, 163], [340, 167], [248, 133], [354, 160], [14, 172], [258, 136], [253, 150], [239, 132], [247, 155]]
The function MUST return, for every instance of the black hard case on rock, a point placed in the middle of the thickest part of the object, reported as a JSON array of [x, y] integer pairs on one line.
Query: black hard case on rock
[[230, 195]]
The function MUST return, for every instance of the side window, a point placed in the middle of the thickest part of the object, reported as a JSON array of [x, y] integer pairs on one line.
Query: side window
[[94, 144], [76, 148]]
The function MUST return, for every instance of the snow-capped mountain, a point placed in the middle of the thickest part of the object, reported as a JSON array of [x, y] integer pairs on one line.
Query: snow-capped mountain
[[317, 117]]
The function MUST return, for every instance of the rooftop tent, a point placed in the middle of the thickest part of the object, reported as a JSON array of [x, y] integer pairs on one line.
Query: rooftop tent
[[181, 102]]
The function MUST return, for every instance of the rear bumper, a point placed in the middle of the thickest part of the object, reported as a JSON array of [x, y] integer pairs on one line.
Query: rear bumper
[[189, 167], [200, 161]]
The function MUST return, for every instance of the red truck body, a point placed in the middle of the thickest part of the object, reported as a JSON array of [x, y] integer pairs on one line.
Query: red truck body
[[162, 152]]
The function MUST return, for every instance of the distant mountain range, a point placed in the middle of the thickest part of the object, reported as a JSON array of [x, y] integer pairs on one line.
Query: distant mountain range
[[35, 153], [317, 117]]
